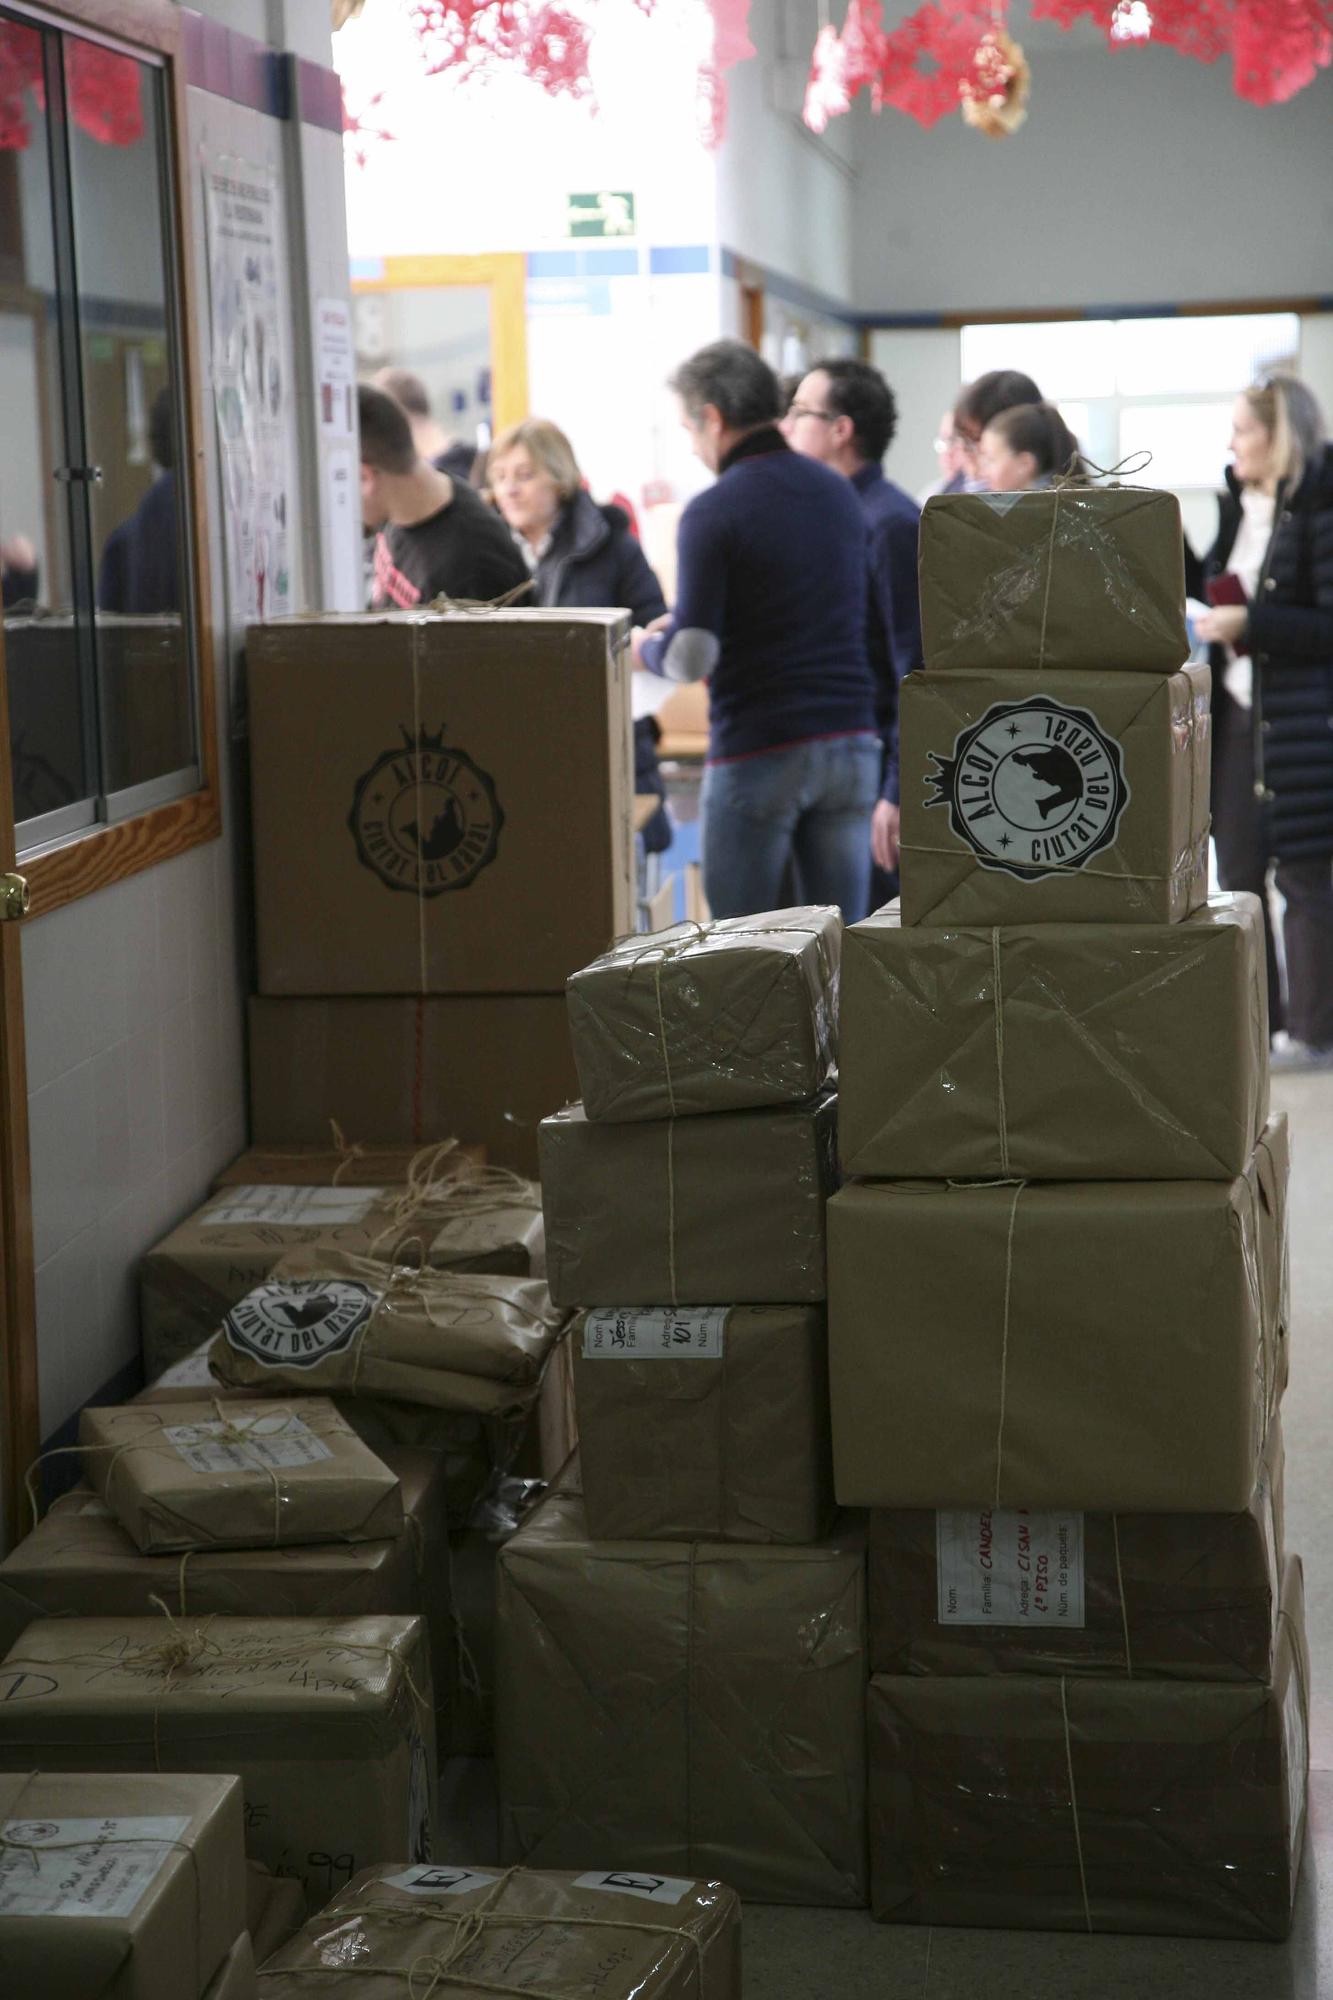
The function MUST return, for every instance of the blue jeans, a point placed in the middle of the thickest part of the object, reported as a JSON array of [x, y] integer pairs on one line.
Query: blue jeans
[[809, 803]]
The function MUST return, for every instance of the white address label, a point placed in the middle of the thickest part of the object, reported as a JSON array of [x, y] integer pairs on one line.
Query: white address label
[[655, 1333], [291, 1207], [433, 1880], [81, 1867], [1008, 1566], [650, 1888], [273, 1443]]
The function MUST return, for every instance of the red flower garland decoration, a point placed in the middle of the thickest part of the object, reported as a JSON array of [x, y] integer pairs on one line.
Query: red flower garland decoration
[[1276, 46]]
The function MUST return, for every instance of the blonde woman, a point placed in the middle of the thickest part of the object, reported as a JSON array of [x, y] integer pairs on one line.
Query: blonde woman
[[1271, 632], [579, 554]]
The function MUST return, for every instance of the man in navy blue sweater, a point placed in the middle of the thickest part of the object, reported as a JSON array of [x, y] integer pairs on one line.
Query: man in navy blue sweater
[[771, 610], [844, 414]]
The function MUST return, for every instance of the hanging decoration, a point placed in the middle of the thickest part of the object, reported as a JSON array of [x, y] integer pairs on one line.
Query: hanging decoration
[[995, 96], [103, 89], [731, 44], [468, 38], [1277, 47]]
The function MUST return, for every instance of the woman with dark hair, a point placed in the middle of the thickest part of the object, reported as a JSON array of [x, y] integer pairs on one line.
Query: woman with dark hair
[[998, 389], [1271, 635], [1024, 447]]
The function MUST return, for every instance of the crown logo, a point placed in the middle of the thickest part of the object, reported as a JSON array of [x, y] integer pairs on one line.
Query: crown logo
[[424, 739]]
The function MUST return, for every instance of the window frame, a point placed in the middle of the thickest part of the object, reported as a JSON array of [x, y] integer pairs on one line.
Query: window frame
[[78, 862]]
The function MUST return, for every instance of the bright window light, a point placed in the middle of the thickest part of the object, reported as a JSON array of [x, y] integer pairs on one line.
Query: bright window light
[[1068, 359], [1188, 442], [1200, 356]]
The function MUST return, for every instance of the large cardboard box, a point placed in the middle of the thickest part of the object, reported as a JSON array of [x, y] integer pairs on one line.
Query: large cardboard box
[[1046, 1803], [1054, 797], [1118, 1346], [1088, 577], [442, 802], [275, 1909], [689, 1211], [407, 1071], [988, 1590], [614, 1934], [123, 1888], [704, 1423], [453, 1340], [327, 1722], [690, 1708], [209, 1475], [236, 1978], [1055, 1051], [78, 1562], [736, 1015]]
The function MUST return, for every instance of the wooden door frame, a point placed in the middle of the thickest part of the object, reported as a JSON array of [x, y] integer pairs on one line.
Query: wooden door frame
[[505, 275], [152, 29]]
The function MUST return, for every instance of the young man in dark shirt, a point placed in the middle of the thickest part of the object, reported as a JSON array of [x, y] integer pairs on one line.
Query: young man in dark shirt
[[435, 536], [771, 609]]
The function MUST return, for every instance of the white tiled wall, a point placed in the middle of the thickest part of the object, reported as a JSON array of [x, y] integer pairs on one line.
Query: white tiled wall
[[134, 1009]]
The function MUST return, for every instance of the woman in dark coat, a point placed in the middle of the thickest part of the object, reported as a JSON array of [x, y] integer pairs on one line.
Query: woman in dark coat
[[580, 555], [1272, 658]]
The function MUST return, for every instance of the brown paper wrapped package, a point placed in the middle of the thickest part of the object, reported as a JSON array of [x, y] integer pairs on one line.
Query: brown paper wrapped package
[[80, 1563], [1118, 1346], [158, 1905], [704, 1423], [327, 1722], [690, 1708], [731, 1016], [234, 1475], [1055, 1051], [616, 1935], [689, 1211], [1082, 577], [235, 1979], [451, 1340], [275, 1909], [190, 1279], [1093, 1805], [997, 1591], [1054, 797], [403, 831], [349, 1164]]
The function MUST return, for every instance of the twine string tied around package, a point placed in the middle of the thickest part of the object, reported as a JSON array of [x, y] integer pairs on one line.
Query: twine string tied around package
[[1134, 461], [1073, 1803]]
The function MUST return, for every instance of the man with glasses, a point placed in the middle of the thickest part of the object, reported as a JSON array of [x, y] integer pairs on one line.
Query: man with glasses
[[844, 414]]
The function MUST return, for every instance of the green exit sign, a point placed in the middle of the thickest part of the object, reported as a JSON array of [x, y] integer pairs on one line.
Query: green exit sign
[[600, 214]]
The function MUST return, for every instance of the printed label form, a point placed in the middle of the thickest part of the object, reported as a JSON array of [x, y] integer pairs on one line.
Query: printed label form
[[292, 1207], [633, 1882], [434, 1880], [82, 1867], [1008, 1566], [274, 1443], [654, 1333]]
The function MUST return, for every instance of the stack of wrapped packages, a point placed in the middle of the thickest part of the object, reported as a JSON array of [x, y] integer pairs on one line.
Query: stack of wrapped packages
[[681, 1621], [1058, 1323], [441, 1233]]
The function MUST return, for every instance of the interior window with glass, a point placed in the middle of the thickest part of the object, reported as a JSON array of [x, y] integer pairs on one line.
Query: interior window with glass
[[93, 508]]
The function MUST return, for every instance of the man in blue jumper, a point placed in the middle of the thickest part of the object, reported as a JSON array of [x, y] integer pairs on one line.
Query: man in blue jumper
[[844, 414], [771, 610]]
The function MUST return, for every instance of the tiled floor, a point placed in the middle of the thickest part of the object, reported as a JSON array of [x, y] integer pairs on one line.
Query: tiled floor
[[841, 1955]]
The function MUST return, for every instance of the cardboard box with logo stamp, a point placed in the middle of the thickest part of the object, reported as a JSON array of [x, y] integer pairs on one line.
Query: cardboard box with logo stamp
[[131, 1886], [1055, 1051], [399, 1071], [328, 1723], [1119, 1346], [442, 802], [1054, 796], [1093, 1804]]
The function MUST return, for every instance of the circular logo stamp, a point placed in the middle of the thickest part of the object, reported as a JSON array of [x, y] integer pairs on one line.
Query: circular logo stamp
[[1035, 788], [425, 818], [301, 1322], [31, 1832]]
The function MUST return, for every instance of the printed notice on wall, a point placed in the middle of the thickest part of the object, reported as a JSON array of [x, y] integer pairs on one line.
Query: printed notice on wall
[[252, 390], [654, 1333], [82, 1867], [335, 356], [291, 1207], [1006, 1566]]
